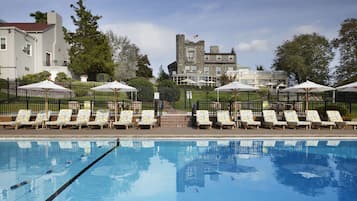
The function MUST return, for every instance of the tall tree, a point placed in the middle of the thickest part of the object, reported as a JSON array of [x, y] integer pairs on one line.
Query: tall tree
[[306, 57], [163, 75], [347, 45], [125, 55], [143, 67], [89, 52], [39, 16]]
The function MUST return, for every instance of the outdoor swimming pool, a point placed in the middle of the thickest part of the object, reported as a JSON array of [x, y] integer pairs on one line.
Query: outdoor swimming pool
[[180, 170]]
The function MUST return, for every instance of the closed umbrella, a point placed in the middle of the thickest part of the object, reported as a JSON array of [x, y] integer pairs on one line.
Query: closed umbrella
[[45, 86], [308, 87], [115, 87]]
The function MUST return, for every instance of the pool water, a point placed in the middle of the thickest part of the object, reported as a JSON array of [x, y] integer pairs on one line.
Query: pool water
[[182, 170]]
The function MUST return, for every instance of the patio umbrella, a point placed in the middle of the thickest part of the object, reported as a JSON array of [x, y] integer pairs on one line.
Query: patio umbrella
[[188, 81], [235, 87], [352, 87], [308, 87], [115, 87], [45, 86]]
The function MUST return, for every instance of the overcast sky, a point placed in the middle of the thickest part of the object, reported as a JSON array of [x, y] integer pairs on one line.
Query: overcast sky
[[253, 27]]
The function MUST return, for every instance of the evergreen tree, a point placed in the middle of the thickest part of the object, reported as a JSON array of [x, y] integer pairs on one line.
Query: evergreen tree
[[39, 16], [89, 52], [143, 67], [163, 75], [306, 57], [347, 44]]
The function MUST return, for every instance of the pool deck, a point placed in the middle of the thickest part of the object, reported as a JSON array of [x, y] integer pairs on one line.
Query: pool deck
[[177, 133]]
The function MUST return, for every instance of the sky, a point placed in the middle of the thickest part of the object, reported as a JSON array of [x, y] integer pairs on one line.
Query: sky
[[254, 28]]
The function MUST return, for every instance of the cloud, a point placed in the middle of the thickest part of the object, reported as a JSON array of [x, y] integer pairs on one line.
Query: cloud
[[307, 29], [158, 42], [253, 46]]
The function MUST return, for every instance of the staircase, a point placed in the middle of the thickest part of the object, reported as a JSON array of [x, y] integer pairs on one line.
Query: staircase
[[175, 120]]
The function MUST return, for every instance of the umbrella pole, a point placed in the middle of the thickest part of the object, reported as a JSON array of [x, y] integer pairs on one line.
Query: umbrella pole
[[46, 103], [115, 105], [307, 100]]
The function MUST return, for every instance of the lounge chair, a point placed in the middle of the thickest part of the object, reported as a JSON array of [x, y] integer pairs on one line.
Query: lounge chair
[[82, 119], [313, 117], [247, 119], [293, 120], [271, 121], [147, 119], [125, 119], [224, 120], [40, 120], [335, 116], [22, 117], [63, 117], [202, 119], [101, 119]]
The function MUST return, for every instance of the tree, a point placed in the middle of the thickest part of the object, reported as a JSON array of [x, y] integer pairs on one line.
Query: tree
[[306, 57], [39, 16], [163, 75], [347, 44], [145, 88], [260, 68], [125, 55], [143, 67], [168, 90], [89, 51], [225, 79]]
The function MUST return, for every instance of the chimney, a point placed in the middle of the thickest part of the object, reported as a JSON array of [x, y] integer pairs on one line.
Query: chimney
[[214, 49]]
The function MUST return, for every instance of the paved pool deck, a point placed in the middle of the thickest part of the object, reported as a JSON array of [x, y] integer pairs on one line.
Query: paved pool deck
[[178, 133]]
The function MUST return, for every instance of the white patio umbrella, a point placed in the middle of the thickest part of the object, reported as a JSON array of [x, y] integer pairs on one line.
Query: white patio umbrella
[[45, 86], [188, 81], [115, 87], [308, 87], [351, 87], [235, 87]]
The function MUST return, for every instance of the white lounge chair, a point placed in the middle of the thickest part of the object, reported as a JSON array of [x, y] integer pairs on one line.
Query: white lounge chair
[[41, 119], [271, 120], [247, 119], [63, 117], [125, 119], [22, 117], [202, 119], [224, 120], [82, 119], [313, 117], [147, 119], [335, 116], [101, 119], [293, 120]]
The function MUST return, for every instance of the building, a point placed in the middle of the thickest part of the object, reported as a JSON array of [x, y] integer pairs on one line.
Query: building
[[195, 66], [28, 48], [270, 79]]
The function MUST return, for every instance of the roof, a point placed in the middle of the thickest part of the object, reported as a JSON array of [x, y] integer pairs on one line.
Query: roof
[[29, 27]]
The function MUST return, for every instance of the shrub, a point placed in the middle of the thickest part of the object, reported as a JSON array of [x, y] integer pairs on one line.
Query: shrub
[[33, 78], [145, 88], [62, 77], [343, 111], [169, 90]]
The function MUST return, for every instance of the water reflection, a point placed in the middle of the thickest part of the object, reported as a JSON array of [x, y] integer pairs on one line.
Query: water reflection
[[185, 170]]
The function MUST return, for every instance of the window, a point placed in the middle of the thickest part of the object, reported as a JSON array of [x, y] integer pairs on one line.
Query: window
[[206, 57], [48, 59], [3, 45], [28, 49], [218, 71], [230, 57], [219, 58], [187, 69], [193, 68], [206, 70], [230, 68], [190, 54]]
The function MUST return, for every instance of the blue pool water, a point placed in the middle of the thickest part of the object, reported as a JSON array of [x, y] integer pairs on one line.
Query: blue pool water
[[181, 170]]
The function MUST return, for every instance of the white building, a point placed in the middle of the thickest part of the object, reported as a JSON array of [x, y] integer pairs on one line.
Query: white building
[[28, 48], [269, 79]]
